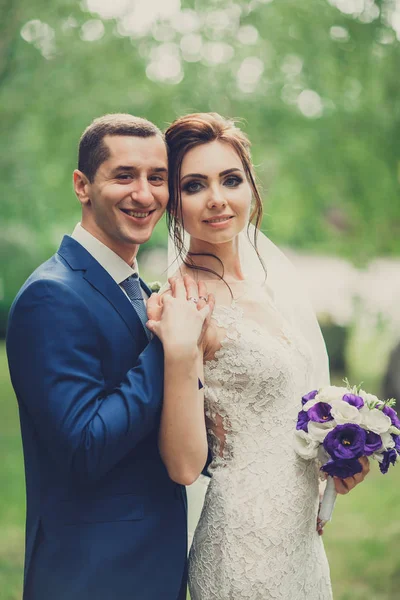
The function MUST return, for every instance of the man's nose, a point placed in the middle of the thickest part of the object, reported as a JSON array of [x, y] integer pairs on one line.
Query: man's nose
[[142, 191]]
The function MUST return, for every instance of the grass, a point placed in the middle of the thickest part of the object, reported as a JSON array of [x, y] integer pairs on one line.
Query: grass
[[12, 496], [361, 542]]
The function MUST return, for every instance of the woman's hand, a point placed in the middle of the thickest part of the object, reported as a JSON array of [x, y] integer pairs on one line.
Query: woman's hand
[[344, 486], [181, 317]]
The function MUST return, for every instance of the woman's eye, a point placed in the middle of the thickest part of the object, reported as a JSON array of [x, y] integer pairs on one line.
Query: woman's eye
[[233, 181], [192, 187]]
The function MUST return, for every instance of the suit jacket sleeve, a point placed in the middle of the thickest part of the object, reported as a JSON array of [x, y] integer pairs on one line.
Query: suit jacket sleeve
[[55, 364]]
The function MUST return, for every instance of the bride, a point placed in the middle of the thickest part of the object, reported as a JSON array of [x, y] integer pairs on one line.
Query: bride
[[256, 538]]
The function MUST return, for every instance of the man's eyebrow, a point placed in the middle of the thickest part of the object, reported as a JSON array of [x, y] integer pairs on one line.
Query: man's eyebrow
[[201, 176], [132, 168]]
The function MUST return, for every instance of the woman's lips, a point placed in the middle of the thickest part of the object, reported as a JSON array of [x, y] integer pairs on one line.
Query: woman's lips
[[218, 222]]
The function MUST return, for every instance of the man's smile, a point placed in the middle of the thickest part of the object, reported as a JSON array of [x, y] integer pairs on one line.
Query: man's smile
[[136, 213]]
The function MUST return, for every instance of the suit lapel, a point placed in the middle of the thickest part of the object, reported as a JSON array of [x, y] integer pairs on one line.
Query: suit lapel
[[145, 287], [105, 284], [80, 259]]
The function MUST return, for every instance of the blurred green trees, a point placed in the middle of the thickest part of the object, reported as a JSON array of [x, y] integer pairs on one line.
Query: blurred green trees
[[315, 83]]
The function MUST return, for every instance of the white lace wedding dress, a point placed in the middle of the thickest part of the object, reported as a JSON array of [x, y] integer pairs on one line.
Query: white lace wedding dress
[[256, 538]]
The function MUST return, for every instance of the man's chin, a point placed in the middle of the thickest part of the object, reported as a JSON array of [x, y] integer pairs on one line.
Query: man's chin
[[140, 237]]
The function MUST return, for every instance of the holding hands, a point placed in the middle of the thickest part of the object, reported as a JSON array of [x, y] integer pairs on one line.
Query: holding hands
[[180, 316]]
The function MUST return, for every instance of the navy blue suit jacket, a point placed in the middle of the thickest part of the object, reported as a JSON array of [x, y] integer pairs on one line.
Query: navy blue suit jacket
[[104, 520]]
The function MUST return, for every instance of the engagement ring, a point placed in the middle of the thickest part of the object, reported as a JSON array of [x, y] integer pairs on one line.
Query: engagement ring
[[192, 299]]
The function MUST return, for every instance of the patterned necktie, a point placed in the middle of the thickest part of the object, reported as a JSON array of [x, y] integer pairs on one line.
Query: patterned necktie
[[132, 287]]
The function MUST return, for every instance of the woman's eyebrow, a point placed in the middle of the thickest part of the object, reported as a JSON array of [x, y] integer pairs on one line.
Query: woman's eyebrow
[[227, 171], [200, 176]]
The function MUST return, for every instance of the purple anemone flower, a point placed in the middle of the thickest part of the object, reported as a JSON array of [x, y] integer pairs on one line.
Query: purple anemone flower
[[389, 457], [354, 400], [320, 412], [396, 439], [345, 441], [302, 421], [342, 467], [309, 396], [373, 443], [391, 413]]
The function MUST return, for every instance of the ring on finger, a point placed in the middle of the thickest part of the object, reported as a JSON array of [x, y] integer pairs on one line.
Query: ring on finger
[[205, 298], [193, 299]]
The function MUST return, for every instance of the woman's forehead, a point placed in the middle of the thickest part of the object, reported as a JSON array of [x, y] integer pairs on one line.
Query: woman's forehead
[[212, 157]]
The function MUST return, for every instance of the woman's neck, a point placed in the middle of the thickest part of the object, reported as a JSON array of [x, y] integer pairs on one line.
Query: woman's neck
[[227, 253]]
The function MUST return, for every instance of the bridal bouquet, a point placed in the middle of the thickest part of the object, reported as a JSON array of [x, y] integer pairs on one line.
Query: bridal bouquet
[[338, 425]]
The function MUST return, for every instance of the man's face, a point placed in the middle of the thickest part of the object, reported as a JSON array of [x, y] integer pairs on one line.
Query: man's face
[[128, 195]]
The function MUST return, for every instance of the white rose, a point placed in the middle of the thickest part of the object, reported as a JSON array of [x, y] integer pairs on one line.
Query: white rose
[[323, 456], [331, 394], [369, 397], [375, 420], [304, 445], [343, 413], [319, 431], [387, 441], [377, 456]]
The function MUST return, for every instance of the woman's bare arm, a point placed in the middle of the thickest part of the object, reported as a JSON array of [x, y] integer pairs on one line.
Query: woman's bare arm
[[182, 435]]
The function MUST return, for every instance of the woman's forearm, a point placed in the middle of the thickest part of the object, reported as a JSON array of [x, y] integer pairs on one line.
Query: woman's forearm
[[182, 436]]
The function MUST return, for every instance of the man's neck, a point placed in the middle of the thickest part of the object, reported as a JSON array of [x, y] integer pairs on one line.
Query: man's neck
[[128, 255]]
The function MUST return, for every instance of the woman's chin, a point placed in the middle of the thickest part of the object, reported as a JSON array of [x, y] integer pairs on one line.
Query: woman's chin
[[215, 236]]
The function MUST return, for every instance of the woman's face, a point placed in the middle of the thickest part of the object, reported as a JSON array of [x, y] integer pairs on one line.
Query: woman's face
[[216, 195]]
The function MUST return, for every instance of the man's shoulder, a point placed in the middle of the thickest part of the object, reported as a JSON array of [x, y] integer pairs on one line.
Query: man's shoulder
[[52, 276]]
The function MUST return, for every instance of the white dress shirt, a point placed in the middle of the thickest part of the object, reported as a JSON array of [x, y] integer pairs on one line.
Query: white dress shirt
[[109, 260]]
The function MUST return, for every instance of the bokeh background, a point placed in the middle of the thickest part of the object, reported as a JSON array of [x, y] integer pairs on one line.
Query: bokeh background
[[316, 86]]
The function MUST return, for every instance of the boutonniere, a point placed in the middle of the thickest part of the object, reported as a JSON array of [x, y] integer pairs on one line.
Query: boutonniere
[[155, 286]]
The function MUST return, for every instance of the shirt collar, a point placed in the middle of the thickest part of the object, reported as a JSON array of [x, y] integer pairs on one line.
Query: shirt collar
[[109, 260]]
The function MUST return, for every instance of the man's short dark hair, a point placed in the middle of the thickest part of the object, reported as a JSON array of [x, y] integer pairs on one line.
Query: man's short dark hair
[[92, 149]]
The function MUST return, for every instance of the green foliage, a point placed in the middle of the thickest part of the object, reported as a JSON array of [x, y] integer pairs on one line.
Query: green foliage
[[369, 342], [12, 497], [330, 179]]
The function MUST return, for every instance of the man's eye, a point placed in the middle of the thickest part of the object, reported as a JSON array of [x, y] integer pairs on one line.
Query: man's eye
[[233, 181], [124, 176], [157, 179], [192, 187]]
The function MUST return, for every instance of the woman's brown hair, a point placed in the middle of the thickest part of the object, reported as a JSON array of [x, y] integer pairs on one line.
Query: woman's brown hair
[[186, 133]]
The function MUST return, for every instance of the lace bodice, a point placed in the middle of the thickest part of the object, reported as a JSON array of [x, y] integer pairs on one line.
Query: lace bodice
[[256, 537]]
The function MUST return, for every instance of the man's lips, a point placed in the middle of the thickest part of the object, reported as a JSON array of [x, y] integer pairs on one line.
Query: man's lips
[[137, 214], [219, 219]]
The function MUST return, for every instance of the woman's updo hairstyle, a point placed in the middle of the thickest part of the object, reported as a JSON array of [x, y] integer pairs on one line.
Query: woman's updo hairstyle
[[186, 133]]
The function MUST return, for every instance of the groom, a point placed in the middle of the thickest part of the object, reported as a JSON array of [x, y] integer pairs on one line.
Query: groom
[[104, 520]]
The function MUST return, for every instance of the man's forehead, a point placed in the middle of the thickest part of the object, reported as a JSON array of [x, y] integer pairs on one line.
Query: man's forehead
[[136, 149]]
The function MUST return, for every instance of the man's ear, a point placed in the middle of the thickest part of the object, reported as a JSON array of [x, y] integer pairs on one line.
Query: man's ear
[[81, 187]]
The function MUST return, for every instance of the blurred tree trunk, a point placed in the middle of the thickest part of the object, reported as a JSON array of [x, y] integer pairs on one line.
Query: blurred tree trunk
[[10, 15]]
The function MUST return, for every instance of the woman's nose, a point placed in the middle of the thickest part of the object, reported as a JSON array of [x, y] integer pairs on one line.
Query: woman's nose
[[216, 199]]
